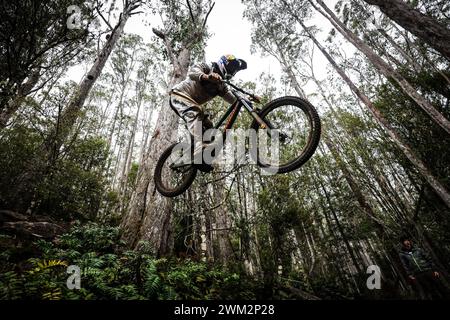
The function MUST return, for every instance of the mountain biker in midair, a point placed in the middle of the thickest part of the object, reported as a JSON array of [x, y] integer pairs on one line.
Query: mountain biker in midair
[[203, 83], [177, 167]]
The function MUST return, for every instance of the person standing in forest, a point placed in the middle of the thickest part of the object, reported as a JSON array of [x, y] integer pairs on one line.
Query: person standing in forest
[[421, 270]]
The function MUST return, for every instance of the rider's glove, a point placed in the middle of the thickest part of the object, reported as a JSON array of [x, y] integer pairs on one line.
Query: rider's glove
[[212, 77]]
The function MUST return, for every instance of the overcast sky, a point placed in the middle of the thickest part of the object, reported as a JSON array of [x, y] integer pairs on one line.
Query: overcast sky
[[231, 34]]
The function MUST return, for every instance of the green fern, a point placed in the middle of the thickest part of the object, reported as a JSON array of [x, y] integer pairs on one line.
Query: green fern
[[10, 286], [114, 274], [152, 281], [42, 265], [53, 294]]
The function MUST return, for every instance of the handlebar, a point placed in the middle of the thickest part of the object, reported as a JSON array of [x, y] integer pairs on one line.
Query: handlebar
[[253, 96]]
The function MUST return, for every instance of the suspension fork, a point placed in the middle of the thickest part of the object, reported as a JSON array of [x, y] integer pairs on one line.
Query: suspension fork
[[263, 124], [254, 113]]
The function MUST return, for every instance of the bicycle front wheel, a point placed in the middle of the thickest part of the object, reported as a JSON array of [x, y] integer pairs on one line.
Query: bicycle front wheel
[[297, 128]]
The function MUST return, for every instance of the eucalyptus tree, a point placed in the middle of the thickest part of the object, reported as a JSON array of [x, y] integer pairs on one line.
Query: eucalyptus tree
[[67, 116], [437, 186], [304, 61], [35, 38], [123, 66], [433, 32], [144, 92], [276, 38], [148, 217], [383, 67], [71, 112]]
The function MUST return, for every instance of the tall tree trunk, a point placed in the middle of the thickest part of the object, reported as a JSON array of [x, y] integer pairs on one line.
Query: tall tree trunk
[[116, 114], [149, 214], [128, 159], [72, 111], [281, 56], [291, 75], [403, 53], [350, 250], [101, 130], [365, 206], [145, 137], [383, 67], [334, 243], [415, 160], [223, 225], [423, 26]]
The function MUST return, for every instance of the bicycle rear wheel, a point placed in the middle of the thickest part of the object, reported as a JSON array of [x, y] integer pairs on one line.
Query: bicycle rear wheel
[[296, 125], [171, 178]]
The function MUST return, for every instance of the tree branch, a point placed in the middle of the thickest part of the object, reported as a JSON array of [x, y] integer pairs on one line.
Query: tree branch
[[225, 200], [162, 35], [190, 42], [103, 18], [227, 174], [190, 11], [137, 12], [207, 15], [159, 33], [132, 5]]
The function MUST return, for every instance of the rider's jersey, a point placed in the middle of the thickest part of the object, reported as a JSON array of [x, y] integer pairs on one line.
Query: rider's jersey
[[202, 91]]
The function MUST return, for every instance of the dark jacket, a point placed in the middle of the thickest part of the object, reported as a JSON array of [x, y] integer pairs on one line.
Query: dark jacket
[[415, 261]]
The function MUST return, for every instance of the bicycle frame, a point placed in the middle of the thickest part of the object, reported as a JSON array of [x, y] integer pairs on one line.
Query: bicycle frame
[[232, 113], [234, 110], [179, 155]]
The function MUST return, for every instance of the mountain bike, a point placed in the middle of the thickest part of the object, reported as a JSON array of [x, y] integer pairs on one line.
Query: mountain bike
[[293, 119]]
